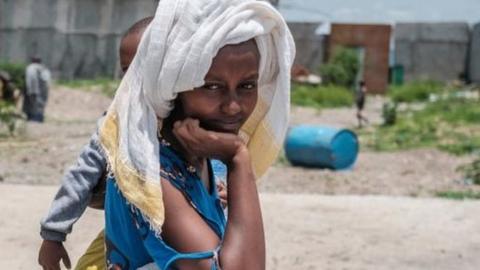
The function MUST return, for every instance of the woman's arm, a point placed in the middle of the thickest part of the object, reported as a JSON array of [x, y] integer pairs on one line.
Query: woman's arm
[[244, 244], [184, 229]]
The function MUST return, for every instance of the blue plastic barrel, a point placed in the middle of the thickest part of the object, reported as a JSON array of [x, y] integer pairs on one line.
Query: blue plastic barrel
[[321, 147]]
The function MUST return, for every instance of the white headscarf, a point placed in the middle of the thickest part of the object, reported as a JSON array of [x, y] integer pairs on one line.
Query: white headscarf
[[174, 55]]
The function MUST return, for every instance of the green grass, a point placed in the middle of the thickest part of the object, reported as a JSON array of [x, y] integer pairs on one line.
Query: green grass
[[106, 86], [451, 125], [459, 195], [415, 91], [329, 96], [471, 171]]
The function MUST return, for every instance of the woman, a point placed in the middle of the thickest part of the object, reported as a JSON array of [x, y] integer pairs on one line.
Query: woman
[[210, 81]]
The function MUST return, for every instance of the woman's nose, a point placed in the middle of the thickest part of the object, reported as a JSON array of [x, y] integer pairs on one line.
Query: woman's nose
[[231, 105]]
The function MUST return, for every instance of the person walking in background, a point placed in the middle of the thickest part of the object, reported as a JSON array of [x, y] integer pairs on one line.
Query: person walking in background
[[37, 80], [360, 97]]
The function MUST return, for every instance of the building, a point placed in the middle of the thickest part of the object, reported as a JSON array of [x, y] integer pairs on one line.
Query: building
[[474, 56], [372, 42], [436, 51]]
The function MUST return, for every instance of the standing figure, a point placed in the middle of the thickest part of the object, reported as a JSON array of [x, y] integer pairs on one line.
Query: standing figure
[[210, 80], [360, 97], [37, 79]]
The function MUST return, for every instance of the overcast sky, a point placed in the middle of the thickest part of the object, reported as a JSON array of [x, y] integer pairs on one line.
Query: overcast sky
[[383, 11]]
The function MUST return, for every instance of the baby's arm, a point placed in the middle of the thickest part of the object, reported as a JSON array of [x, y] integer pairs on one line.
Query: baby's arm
[[75, 192], [70, 202]]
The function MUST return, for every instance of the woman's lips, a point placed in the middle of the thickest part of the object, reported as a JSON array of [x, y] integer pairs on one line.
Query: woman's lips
[[231, 125], [226, 126]]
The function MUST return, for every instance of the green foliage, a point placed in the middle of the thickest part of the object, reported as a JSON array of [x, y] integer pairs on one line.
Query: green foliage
[[106, 86], [453, 110], [389, 113], [9, 116], [471, 171], [462, 144], [342, 68], [16, 71], [321, 96], [459, 195], [450, 125], [414, 91], [334, 74]]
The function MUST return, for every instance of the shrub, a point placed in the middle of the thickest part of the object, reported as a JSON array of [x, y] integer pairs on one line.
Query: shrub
[[471, 171], [321, 96], [16, 71], [9, 116], [342, 68], [334, 74], [389, 113]]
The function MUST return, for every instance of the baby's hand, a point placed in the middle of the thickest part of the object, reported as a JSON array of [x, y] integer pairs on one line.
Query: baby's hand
[[51, 252], [222, 193], [203, 143]]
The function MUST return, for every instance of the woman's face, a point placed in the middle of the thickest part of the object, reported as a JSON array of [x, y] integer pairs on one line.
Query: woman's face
[[229, 95]]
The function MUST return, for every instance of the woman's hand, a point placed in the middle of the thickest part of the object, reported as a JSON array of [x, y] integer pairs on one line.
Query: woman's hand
[[207, 144]]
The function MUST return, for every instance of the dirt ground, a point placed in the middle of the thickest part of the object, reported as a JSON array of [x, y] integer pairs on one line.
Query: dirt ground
[[303, 232], [305, 229], [45, 151]]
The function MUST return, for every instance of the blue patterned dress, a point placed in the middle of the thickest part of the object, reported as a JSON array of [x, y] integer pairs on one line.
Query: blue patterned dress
[[130, 241]]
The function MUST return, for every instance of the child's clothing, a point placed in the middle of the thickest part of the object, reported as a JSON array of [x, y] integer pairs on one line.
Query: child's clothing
[[75, 192]]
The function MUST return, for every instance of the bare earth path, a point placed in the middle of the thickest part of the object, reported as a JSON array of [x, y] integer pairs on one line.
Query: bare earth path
[[303, 231]]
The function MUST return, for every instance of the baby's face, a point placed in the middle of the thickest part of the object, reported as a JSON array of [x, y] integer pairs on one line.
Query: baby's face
[[128, 49], [230, 92]]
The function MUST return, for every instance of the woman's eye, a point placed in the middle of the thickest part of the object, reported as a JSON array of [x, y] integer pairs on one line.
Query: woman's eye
[[249, 86], [211, 86]]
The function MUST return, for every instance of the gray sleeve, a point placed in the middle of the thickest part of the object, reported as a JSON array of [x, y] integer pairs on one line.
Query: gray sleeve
[[75, 192]]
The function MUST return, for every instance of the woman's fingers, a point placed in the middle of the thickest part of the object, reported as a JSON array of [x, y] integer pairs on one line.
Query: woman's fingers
[[180, 132], [205, 143]]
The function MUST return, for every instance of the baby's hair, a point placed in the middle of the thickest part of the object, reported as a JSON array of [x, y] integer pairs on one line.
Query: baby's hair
[[138, 27]]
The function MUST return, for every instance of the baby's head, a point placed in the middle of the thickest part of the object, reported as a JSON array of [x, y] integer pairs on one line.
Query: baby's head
[[130, 41], [230, 92]]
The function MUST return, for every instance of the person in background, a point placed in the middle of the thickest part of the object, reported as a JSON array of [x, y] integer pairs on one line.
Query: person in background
[[360, 98], [37, 80]]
